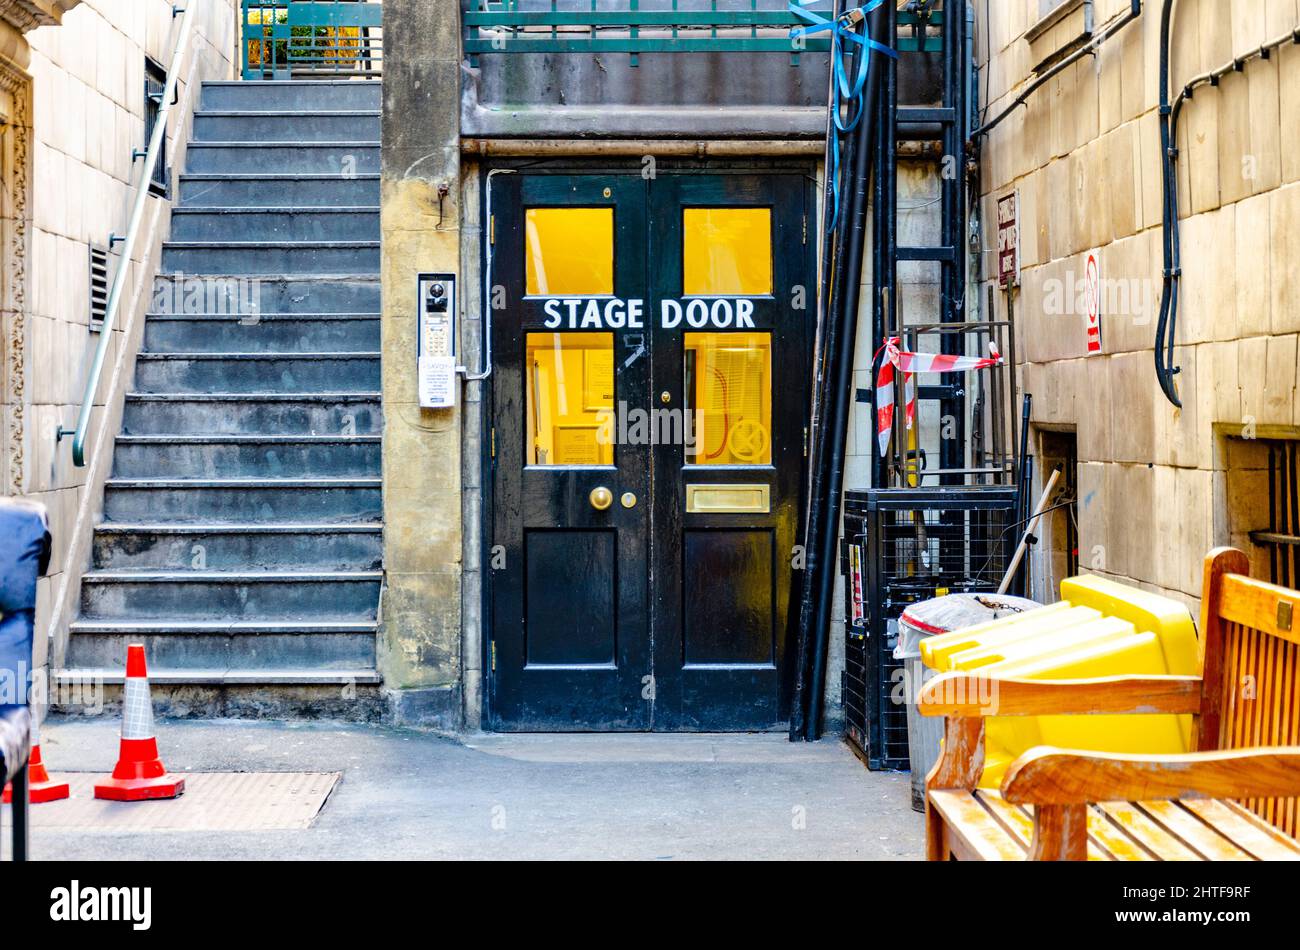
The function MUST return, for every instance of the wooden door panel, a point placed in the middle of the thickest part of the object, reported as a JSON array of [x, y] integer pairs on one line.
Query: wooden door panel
[[568, 624], [570, 637], [722, 615], [729, 609]]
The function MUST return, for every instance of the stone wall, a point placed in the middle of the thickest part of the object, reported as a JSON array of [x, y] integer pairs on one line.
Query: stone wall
[[420, 188], [1084, 157], [75, 110]]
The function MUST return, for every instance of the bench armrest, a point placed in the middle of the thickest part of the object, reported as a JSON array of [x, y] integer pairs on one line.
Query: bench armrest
[[969, 695], [1048, 776]]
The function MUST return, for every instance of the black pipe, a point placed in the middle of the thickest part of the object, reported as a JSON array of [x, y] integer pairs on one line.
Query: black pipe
[[823, 342], [836, 390], [1024, 479], [1020, 583], [1163, 349], [829, 346]]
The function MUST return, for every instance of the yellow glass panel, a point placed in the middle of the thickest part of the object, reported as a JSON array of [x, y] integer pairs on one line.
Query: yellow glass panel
[[726, 252], [569, 251], [729, 398], [570, 398]]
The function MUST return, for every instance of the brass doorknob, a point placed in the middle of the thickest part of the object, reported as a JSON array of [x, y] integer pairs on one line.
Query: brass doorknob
[[601, 498], [628, 500]]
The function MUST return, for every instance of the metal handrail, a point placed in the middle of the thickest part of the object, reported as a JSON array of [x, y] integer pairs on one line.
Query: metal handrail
[[128, 243]]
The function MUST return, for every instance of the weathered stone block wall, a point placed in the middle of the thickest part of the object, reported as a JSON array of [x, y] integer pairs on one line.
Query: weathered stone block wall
[[420, 189], [78, 107], [1084, 156]]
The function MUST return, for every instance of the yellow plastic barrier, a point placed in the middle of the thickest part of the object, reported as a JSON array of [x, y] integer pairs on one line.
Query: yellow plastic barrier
[[1099, 628]]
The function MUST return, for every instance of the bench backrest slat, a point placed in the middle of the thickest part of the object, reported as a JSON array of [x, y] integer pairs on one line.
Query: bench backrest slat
[[1250, 634]]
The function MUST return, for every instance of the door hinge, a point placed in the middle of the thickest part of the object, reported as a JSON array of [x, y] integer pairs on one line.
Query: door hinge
[[492, 229], [805, 441], [493, 645], [805, 229], [493, 441]]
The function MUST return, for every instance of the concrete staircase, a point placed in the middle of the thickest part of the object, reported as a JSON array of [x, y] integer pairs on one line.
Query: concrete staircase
[[241, 540]]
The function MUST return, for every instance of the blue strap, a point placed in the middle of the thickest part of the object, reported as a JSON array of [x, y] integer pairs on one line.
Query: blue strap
[[843, 31]]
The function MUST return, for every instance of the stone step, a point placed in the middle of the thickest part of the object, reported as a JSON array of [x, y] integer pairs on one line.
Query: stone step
[[338, 158], [270, 332], [251, 596], [295, 126], [213, 293], [252, 413], [180, 645], [242, 540], [272, 257], [240, 500], [270, 190], [229, 693], [256, 372], [71, 676], [291, 94], [275, 224], [170, 456], [253, 546]]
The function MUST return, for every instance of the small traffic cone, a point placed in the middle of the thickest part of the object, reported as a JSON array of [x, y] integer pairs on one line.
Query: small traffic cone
[[39, 786], [139, 774]]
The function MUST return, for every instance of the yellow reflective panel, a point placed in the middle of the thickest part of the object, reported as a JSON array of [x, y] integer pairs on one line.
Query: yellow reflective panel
[[569, 251], [726, 252], [570, 398], [729, 397]]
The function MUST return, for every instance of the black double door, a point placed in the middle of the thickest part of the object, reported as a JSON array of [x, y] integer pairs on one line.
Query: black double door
[[648, 433]]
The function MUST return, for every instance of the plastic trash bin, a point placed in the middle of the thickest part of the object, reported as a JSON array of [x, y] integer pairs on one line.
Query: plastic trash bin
[[1099, 628], [926, 619]]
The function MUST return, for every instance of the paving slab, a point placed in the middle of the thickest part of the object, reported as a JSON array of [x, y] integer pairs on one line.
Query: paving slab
[[403, 794]]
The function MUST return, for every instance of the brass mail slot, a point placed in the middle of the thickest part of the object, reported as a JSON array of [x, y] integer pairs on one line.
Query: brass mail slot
[[725, 499]]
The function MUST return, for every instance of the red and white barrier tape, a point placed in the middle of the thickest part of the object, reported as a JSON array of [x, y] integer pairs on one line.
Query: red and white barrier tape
[[909, 364]]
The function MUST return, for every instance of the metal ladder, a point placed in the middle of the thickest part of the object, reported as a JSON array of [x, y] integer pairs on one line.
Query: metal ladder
[[944, 128]]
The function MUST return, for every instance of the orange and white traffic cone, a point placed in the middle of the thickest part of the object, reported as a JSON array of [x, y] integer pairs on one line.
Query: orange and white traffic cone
[[139, 774], [39, 786]]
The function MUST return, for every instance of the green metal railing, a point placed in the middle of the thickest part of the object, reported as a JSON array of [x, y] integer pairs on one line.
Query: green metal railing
[[286, 39], [690, 26]]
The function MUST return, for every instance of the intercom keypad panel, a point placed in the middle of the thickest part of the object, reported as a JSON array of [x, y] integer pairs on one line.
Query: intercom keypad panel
[[436, 340]]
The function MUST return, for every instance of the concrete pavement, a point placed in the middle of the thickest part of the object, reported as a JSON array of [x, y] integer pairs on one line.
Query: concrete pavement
[[408, 794]]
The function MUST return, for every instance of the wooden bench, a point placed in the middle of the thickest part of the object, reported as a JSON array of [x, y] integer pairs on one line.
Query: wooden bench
[[1233, 799]]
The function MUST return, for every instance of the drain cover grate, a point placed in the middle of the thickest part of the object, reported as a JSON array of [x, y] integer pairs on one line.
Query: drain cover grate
[[213, 801]]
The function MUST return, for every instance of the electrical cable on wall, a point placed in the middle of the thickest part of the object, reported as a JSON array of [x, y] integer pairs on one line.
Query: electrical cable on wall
[[1167, 323]]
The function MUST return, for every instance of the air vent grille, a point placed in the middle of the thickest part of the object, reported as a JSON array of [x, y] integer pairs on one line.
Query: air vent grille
[[98, 286]]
